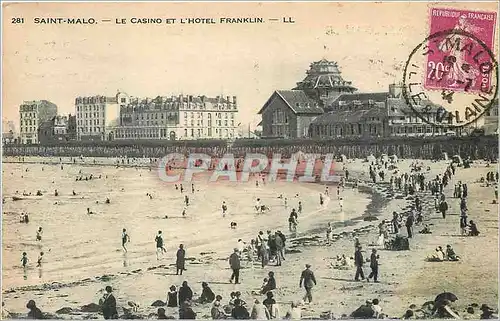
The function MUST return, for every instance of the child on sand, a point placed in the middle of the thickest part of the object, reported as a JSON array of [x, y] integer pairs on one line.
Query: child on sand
[[40, 259], [125, 239], [39, 234], [329, 231], [25, 260], [159, 245]]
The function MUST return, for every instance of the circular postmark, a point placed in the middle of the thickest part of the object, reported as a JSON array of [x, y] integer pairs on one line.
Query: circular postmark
[[450, 79]]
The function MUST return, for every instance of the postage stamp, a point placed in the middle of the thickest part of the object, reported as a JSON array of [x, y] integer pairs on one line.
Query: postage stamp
[[451, 64], [464, 78]]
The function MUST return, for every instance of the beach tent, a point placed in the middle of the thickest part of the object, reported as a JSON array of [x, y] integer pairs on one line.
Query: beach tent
[[445, 156], [370, 158], [300, 156], [457, 159], [342, 158], [384, 158], [393, 158]]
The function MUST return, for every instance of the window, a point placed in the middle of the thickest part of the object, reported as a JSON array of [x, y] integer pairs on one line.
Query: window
[[123, 100], [225, 123], [192, 132]]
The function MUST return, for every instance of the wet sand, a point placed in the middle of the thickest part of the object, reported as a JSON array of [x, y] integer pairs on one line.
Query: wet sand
[[84, 247]]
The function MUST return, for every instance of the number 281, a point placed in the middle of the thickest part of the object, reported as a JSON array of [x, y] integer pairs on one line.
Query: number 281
[[17, 20]]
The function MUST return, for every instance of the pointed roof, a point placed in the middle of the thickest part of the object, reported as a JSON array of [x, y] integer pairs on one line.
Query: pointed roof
[[325, 74], [297, 100]]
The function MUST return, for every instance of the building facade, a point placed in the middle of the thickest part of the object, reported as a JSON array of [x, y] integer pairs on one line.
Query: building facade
[[57, 129], [178, 118], [288, 114], [380, 114], [31, 115], [96, 116], [9, 134], [491, 119]]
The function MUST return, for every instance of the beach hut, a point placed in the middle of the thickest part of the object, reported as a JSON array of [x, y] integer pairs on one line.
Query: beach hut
[[393, 159], [384, 158], [299, 156], [445, 156]]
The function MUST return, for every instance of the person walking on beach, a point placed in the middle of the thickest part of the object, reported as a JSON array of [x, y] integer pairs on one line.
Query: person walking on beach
[[40, 259], [309, 280], [39, 234], [443, 207], [181, 259], [358, 261], [108, 304], [329, 231], [300, 207], [321, 201], [125, 239], [234, 263], [224, 208], [186, 200], [159, 245], [374, 266], [24, 260], [409, 225]]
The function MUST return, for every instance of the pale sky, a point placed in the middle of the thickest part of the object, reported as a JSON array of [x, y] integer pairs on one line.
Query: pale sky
[[370, 41]]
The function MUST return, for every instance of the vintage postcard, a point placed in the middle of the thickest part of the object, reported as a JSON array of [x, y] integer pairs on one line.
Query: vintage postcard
[[252, 160]]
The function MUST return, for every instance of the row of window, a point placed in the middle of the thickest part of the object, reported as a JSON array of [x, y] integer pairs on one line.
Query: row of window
[[154, 133], [218, 122], [27, 115], [280, 117], [91, 108], [200, 115], [89, 129], [90, 122], [90, 115], [28, 122]]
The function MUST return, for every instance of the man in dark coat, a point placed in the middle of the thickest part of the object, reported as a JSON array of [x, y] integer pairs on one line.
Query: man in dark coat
[[181, 259], [374, 266], [443, 207], [358, 261], [185, 293], [35, 312], [108, 304], [239, 312], [207, 295], [234, 263], [309, 280]]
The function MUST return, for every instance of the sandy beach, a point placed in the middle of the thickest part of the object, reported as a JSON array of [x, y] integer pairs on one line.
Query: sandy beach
[[80, 249]]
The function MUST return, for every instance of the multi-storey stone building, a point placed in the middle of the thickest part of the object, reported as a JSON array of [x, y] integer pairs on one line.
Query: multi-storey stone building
[[96, 116], [178, 117], [289, 113], [31, 115]]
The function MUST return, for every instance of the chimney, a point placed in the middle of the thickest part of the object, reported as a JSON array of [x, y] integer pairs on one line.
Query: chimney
[[228, 99], [234, 100]]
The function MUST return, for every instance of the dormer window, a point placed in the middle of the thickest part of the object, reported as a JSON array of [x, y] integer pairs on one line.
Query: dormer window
[[297, 104]]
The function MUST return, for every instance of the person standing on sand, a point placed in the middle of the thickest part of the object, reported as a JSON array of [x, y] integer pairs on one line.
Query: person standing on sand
[[125, 239], [358, 261], [443, 207], [409, 225], [40, 259], [181, 259], [24, 260], [309, 280], [224, 208], [234, 263], [108, 304], [39, 234], [374, 266], [300, 207], [321, 201], [159, 245], [329, 231]]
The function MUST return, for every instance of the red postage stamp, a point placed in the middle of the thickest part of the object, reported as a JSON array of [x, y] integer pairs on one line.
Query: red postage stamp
[[453, 62]]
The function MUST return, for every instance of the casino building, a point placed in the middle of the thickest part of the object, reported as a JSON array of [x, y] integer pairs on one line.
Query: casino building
[[324, 105]]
